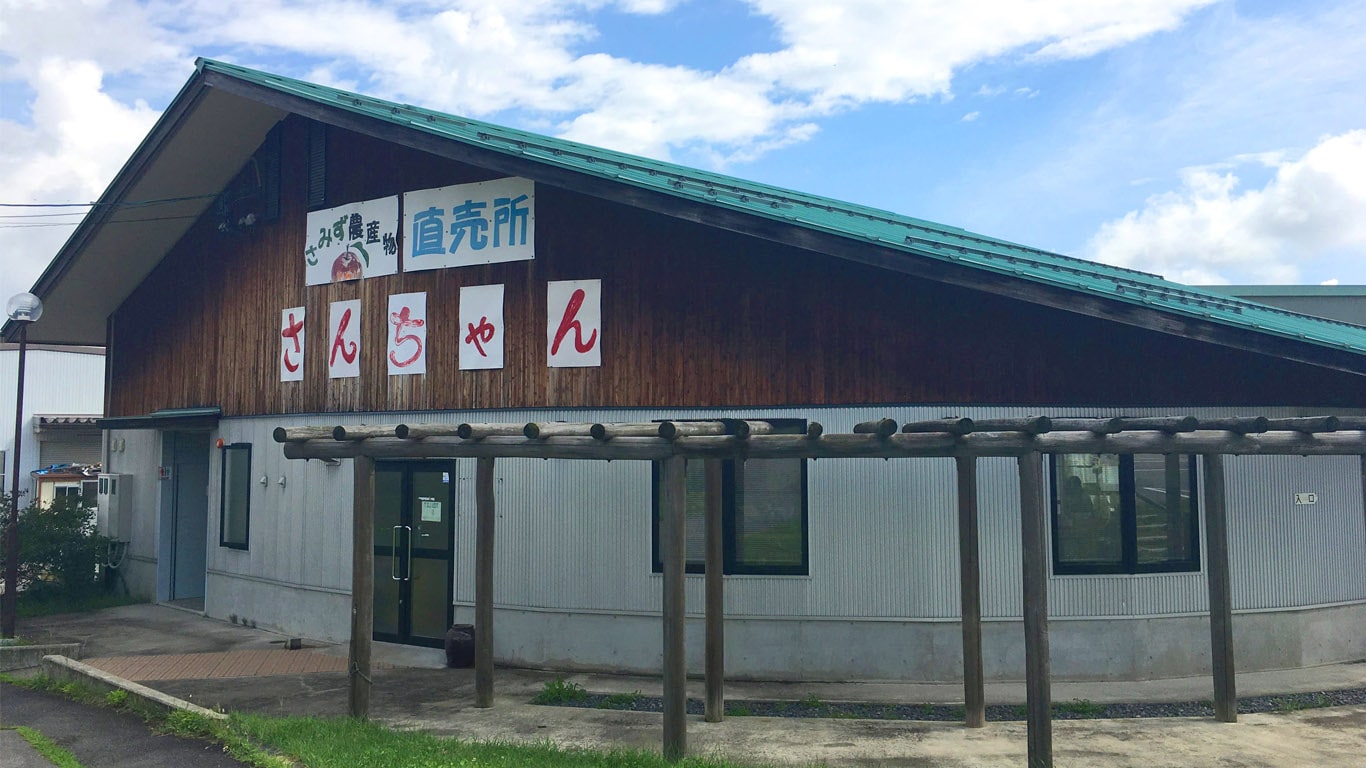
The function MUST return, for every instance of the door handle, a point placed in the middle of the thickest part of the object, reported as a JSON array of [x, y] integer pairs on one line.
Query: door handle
[[393, 548], [408, 572]]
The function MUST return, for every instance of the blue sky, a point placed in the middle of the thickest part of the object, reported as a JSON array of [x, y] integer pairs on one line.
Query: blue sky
[[1211, 142]]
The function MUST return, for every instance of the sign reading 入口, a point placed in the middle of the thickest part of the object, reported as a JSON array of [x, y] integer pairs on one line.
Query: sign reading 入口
[[352, 241], [1306, 498], [487, 222]]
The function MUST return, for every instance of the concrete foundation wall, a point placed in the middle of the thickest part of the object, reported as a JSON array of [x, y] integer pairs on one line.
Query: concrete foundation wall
[[312, 613], [1104, 649]]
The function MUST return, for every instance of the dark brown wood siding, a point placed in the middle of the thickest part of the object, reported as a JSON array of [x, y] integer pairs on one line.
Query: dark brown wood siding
[[692, 316]]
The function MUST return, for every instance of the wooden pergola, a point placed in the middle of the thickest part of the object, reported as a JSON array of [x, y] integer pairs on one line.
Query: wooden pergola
[[671, 444]]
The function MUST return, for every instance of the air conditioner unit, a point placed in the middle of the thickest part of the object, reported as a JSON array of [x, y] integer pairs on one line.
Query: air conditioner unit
[[112, 520]]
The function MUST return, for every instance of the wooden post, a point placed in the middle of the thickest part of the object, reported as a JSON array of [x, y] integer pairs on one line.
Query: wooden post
[[1035, 556], [362, 584], [1220, 599], [483, 583], [716, 604], [672, 553], [969, 572]]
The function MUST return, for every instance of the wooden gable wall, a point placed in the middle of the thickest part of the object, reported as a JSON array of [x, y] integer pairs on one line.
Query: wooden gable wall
[[692, 316]]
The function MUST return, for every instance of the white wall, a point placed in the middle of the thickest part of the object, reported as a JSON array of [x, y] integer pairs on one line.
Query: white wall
[[54, 382]]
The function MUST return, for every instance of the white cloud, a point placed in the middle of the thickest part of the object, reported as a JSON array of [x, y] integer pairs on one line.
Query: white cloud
[[79, 138], [971, 116], [1329, 281], [534, 57], [1211, 231]]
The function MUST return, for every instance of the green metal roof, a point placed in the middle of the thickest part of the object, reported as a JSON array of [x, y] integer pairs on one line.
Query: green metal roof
[[914, 237]]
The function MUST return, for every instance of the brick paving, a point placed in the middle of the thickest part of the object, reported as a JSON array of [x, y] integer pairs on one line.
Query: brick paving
[[204, 666]]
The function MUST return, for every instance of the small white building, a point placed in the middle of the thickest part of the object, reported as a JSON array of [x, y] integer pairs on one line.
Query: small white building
[[63, 394]]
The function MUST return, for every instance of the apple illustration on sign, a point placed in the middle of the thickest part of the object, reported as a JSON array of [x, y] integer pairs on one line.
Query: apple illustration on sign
[[346, 267]]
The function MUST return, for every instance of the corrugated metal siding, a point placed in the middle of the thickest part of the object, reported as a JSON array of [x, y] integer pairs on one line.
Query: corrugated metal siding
[[1283, 554], [575, 536]]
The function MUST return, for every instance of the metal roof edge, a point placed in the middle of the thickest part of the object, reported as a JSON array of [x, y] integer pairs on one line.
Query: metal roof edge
[[165, 418]]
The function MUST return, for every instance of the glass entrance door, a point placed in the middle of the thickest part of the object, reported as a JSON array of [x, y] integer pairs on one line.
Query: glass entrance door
[[414, 563]]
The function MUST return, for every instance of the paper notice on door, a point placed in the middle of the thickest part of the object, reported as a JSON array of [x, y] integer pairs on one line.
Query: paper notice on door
[[431, 511]]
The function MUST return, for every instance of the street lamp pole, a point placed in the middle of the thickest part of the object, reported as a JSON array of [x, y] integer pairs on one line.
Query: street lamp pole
[[23, 309]]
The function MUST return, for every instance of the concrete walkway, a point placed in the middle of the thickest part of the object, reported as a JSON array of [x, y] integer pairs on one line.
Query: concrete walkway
[[414, 691]]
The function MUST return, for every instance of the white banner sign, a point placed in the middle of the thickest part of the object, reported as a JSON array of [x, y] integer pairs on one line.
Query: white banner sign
[[408, 342], [574, 322], [292, 344], [343, 329], [481, 327], [352, 241], [483, 223]]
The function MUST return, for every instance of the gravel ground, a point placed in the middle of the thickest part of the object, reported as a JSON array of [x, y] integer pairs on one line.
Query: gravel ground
[[1077, 709]]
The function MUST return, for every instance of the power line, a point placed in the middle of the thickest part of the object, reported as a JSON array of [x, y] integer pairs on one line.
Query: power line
[[132, 204], [115, 221]]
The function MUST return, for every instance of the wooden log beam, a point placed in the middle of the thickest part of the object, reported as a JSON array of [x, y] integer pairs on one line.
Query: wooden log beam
[[1220, 592], [1306, 424], [879, 427], [362, 586], [541, 430], [715, 595], [481, 431], [969, 574], [672, 430], [840, 446], [759, 427], [1353, 423], [363, 432], [1167, 424], [422, 431], [672, 554], [300, 434], [483, 582], [1240, 424], [1038, 692], [613, 431], [1034, 425], [1095, 426], [952, 426]]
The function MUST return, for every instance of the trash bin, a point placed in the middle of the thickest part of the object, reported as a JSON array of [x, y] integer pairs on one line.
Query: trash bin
[[460, 645]]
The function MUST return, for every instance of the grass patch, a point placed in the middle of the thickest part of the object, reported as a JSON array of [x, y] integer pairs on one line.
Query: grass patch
[[560, 691], [48, 748], [1079, 707], [346, 743], [1286, 704], [620, 700]]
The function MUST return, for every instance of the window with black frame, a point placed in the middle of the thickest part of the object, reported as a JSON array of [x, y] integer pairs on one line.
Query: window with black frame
[[235, 507], [763, 503], [1124, 514]]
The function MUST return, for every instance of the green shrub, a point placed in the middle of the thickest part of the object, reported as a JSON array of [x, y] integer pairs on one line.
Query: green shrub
[[59, 551], [560, 691]]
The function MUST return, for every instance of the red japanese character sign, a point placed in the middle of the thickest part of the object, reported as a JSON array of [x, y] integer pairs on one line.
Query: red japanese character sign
[[292, 344], [574, 324], [481, 327], [407, 320], [343, 335]]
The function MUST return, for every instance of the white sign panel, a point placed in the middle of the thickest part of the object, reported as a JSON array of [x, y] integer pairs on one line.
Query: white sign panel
[[408, 339], [343, 331], [292, 344], [352, 241], [1306, 498], [574, 322], [481, 327], [483, 223]]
